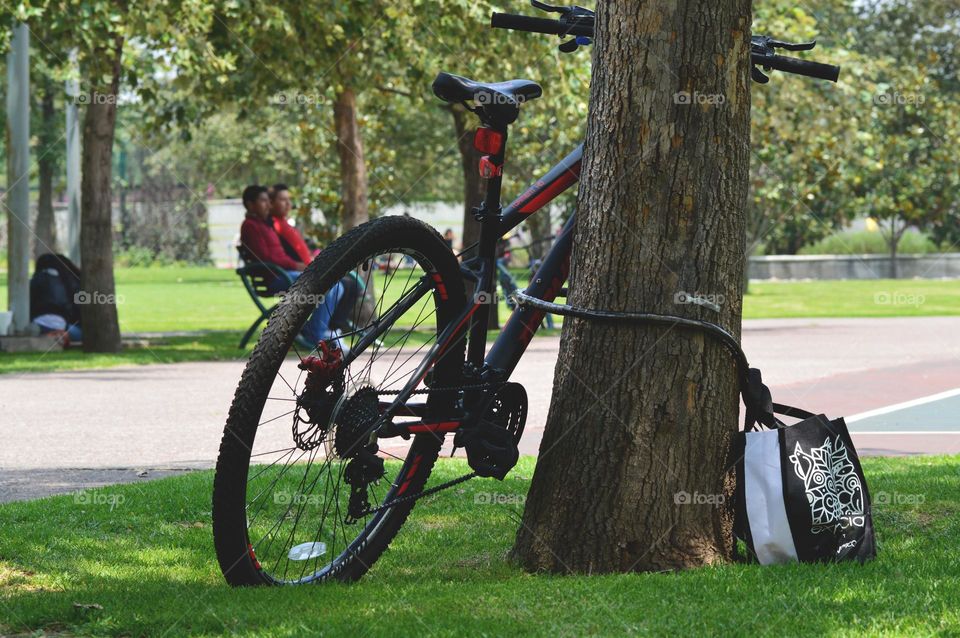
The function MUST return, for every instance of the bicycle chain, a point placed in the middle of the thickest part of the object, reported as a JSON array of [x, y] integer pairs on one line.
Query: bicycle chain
[[416, 497], [479, 386]]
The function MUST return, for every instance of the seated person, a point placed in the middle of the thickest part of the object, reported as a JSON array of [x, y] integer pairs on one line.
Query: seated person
[[55, 297], [290, 237], [262, 243]]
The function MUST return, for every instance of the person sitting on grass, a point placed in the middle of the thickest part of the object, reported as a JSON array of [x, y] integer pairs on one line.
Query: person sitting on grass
[[55, 298], [290, 237], [261, 243]]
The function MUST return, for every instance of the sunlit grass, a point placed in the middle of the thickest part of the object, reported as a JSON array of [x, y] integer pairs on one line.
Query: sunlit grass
[[149, 564], [188, 299]]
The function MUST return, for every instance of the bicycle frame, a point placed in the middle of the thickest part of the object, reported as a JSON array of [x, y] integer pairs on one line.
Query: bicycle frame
[[547, 284]]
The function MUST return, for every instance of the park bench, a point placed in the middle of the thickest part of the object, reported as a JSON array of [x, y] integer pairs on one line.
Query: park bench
[[257, 276]]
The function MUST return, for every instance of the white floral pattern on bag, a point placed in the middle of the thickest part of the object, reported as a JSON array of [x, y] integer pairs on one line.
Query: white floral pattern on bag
[[834, 491]]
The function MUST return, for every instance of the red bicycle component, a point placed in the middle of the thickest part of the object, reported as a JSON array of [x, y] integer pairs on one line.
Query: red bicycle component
[[488, 169], [322, 369], [488, 141], [443, 426]]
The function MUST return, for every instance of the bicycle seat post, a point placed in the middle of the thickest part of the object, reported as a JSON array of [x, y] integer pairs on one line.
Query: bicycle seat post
[[497, 104], [491, 141]]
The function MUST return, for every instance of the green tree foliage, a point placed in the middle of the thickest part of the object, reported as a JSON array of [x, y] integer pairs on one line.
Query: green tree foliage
[[802, 138], [905, 171]]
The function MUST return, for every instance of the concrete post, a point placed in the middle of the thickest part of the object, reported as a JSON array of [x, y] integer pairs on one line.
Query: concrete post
[[73, 165], [18, 179]]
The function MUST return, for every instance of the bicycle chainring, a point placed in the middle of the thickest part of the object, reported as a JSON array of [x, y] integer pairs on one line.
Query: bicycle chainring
[[491, 444]]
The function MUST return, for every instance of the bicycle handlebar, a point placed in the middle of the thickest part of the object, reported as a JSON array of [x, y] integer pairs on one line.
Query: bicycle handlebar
[[797, 66], [580, 25], [540, 25]]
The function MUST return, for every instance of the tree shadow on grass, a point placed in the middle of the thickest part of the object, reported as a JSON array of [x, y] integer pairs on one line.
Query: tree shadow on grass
[[147, 566]]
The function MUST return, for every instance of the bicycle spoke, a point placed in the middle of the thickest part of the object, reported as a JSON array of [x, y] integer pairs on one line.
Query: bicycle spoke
[[298, 496]]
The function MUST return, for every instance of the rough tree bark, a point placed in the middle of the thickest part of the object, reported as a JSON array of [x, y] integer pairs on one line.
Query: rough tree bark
[[353, 169], [46, 237], [101, 328], [641, 417]]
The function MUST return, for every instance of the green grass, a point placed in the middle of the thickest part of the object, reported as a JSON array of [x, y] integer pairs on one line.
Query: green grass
[[173, 299], [148, 564], [868, 298], [215, 346]]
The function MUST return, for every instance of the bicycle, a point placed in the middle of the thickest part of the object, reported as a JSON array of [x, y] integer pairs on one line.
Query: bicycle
[[324, 454]]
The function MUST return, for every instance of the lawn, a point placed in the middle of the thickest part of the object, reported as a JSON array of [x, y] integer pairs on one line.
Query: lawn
[[855, 298], [138, 560], [188, 299]]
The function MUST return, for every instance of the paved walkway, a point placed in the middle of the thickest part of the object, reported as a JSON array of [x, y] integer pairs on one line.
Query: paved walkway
[[67, 430]]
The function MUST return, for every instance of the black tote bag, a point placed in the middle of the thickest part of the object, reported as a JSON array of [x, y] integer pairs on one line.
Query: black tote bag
[[801, 494]]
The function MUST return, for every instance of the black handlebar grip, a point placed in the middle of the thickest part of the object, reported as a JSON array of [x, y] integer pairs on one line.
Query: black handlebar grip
[[536, 25], [802, 67], [525, 23]]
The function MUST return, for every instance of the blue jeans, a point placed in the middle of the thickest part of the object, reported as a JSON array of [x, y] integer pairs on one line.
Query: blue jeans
[[318, 325]]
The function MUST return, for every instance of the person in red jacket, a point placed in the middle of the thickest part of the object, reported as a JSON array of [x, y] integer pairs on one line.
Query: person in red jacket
[[280, 206], [261, 244], [257, 236]]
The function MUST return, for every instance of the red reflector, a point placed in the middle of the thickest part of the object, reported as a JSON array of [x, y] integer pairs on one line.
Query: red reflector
[[488, 141], [488, 169]]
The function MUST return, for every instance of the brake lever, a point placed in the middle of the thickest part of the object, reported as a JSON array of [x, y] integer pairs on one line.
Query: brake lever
[[765, 45], [570, 13], [758, 76], [793, 46], [543, 6]]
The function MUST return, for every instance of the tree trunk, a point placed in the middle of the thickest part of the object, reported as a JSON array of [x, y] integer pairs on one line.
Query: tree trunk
[[46, 238], [540, 227], [101, 329], [894, 244], [894, 267], [353, 169], [642, 418], [473, 186]]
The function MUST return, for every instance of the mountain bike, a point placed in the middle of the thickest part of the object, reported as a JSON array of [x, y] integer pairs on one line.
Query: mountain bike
[[325, 453]]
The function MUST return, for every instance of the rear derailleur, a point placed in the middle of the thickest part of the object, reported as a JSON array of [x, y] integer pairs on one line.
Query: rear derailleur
[[354, 442]]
